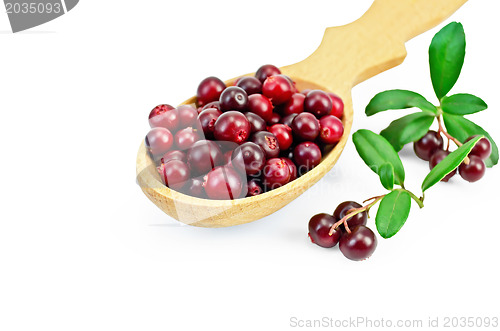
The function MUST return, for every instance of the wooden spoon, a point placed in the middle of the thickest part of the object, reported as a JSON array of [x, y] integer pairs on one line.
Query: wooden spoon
[[347, 55]]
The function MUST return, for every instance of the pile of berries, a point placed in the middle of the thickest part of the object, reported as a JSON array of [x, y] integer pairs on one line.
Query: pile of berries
[[246, 139], [357, 242], [430, 148]]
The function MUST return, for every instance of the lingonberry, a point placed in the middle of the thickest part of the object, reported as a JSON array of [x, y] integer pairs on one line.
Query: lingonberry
[[307, 90], [437, 157], [337, 105], [482, 149], [209, 90], [164, 116], [306, 155], [251, 85], [174, 173], [343, 209], [268, 142], [319, 229], [275, 173], [331, 129], [359, 244], [159, 141], [254, 188], [277, 88], [185, 138], [223, 183], [275, 119], [233, 98], [428, 144], [287, 120], [260, 105], [207, 120], [294, 106], [257, 123], [305, 126], [473, 171], [203, 156], [318, 103], [292, 167], [266, 71], [232, 126], [187, 116], [284, 135], [194, 187], [174, 155], [213, 104], [253, 157]]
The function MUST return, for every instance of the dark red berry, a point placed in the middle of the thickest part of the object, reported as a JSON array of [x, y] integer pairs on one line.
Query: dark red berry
[[254, 188], [209, 90], [194, 187], [343, 209], [233, 98], [294, 106], [207, 120], [251, 85], [307, 90], [276, 173], [185, 138], [337, 105], [164, 116], [203, 156], [174, 173], [260, 105], [187, 116], [253, 157], [305, 126], [287, 120], [473, 171], [331, 129], [284, 135], [257, 123], [318, 103], [292, 167], [268, 142], [319, 229], [277, 88], [437, 157], [306, 155], [223, 183], [427, 145], [359, 244], [213, 104], [275, 119], [174, 155], [482, 149], [159, 141], [266, 71], [232, 126]]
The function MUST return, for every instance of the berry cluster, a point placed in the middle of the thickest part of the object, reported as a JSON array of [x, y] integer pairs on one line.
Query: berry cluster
[[245, 139], [356, 241], [430, 148]]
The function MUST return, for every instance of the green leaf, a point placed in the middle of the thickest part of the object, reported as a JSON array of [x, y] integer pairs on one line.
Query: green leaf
[[386, 174], [461, 128], [446, 57], [407, 129], [393, 213], [462, 104], [375, 150], [449, 163], [398, 99]]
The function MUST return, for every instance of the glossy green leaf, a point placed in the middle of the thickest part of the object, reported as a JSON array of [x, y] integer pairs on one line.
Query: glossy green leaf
[[386, 174], [398, 99], [449, 163], [393, 213], [462, 104], [407, 129], [461, 128], [446, 57], [375, 150]]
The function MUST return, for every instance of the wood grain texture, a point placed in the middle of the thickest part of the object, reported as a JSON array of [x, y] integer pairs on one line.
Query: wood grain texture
[[347, 55]]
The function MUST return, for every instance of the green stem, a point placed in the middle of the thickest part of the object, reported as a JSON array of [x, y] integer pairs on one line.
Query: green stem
[[419, 201]]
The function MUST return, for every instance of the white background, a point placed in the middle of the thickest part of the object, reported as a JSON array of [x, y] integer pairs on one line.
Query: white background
[[81, 247]]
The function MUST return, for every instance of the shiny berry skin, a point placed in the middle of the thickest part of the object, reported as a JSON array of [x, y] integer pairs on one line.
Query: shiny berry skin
[[427, 145], [307, 90], [275, 119], [232, 126], [331, 129], [305, 126], [292, 167], [194, 187], [207, 120], [213, 104], [319, 229], [209, 90], [185, 138], [318, 103], [203, 156], [284, 135], [187, 116], [174, 155], [251, 85], [223, 183], [277, 88], [174, 173], [253, 157], [159, 141], [306, 155], [233, 98], [294, 106], [344, 208], [337, 105], [266, 71], [257, 123], [473, 171], [260, 105], [359, 244], [268, 142], [276, 173], [254, 188], [482, 149], [164, 116], [287, 120], [437, 157]]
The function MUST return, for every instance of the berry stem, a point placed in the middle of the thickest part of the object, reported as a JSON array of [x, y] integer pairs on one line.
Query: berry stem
[[419, 201], [446, 134], [353, 212]]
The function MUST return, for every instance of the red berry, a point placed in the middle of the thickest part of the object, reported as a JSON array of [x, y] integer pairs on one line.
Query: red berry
[[427, 145], [254, 188], [343, 209], [232, 126], [306, 155], [305, 126], [292, 167], [233, 98], [260, 105], [185, 138], [158, 141], [473, 171], [207, 120], [331, 129], [284, 135], [294, 106], [318, 103], [287, 120], [268, 142], [223, 183], [266, 71], [194, 187], [275, 119], [276, 173], [482, 149], [203, 156], [213, 104], [187, 116], [164, 116], [319, 229], [257, 123], [337, 105], [209, 90], [174, 173], [437, 157], [251, 156], [277, 88], [359, 244], [251, 85], [174, 155]]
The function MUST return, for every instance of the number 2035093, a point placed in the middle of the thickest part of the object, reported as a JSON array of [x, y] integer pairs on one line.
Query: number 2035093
[[33, 8]]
